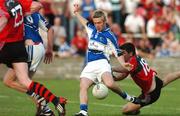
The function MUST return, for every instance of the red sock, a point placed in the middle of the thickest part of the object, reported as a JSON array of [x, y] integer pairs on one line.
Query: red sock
[[41, 90]]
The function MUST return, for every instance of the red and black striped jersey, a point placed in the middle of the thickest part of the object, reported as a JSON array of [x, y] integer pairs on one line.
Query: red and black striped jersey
[[141, 73]]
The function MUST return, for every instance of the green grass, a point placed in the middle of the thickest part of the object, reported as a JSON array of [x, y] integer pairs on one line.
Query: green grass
[[18, 104], [61, 77]]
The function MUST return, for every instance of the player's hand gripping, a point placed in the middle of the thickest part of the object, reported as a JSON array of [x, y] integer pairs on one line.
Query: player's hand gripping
[[128, 66]]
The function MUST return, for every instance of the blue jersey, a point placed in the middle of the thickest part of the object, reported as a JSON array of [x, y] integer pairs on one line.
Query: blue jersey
[[32, 24], [101, 44]]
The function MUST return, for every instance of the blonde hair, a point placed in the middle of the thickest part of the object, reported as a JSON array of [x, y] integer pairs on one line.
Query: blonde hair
[[98, 14]]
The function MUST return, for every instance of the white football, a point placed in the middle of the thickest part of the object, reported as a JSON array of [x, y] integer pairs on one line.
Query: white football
[[100, 91]]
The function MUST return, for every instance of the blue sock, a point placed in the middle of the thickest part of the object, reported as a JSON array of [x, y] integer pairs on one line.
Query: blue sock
[[83, 107]]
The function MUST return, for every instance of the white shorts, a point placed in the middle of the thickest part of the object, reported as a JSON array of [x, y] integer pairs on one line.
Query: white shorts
[[35, 55], [94, 70]]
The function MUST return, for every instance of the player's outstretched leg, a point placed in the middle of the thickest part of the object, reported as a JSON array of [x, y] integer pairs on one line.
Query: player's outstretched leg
[[170, 78], [36, 88]]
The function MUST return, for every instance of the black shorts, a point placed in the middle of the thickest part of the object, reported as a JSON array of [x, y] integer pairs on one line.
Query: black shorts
[[12, 53], [152, 96]]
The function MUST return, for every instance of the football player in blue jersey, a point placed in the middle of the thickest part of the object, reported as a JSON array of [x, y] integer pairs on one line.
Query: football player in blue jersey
[[36, 52], [102, 43]]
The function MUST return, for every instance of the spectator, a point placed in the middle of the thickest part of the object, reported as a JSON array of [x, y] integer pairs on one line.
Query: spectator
[[117, 11], [87, 7], [104, 5], [117, 31], [59, 32], [64, 50], [130, 6], [170, 47], [135, 23], [144, 49], [79, 43], [151, 23]]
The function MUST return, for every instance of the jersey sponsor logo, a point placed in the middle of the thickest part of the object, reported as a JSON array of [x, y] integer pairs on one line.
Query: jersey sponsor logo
[[96, 45]]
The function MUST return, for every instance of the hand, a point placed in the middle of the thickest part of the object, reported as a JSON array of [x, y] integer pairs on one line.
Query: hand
[[76, 8], [48, 57], [128, 66]]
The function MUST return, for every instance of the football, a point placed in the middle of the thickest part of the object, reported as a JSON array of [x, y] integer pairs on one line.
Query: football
[[100, 91]]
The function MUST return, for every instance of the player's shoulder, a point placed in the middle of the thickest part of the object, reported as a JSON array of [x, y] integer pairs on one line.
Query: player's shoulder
[[134, 59], [35, 14], [109, 34], [24, 2]]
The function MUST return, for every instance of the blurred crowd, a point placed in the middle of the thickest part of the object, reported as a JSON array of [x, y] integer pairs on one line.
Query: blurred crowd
[[153, 26]]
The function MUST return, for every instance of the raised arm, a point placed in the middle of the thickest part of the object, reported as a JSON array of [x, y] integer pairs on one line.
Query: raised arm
[[82, 20]]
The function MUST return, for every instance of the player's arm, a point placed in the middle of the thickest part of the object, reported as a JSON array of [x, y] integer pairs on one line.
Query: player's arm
[[125, 67], [45, 26], [82, 20], [35, 6], [3, 22], [119, 75], [49, 50]]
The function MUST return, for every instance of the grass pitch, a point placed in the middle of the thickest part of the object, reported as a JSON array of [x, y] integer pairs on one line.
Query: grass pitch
[[13, 103]]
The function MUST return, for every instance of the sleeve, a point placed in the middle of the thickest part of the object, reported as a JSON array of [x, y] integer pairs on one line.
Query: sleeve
[[89, 29], [43, 24], [44, 21], [112, 41], [26, 5], [90, 25]]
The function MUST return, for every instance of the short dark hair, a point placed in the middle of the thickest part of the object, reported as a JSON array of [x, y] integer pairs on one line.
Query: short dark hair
[[98, 14], [128, 47]]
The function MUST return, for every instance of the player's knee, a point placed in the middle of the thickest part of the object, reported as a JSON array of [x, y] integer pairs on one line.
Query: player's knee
[[7, 83], [109, 84]]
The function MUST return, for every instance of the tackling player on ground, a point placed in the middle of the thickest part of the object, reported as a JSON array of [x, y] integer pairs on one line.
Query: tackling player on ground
[[145, 77]]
